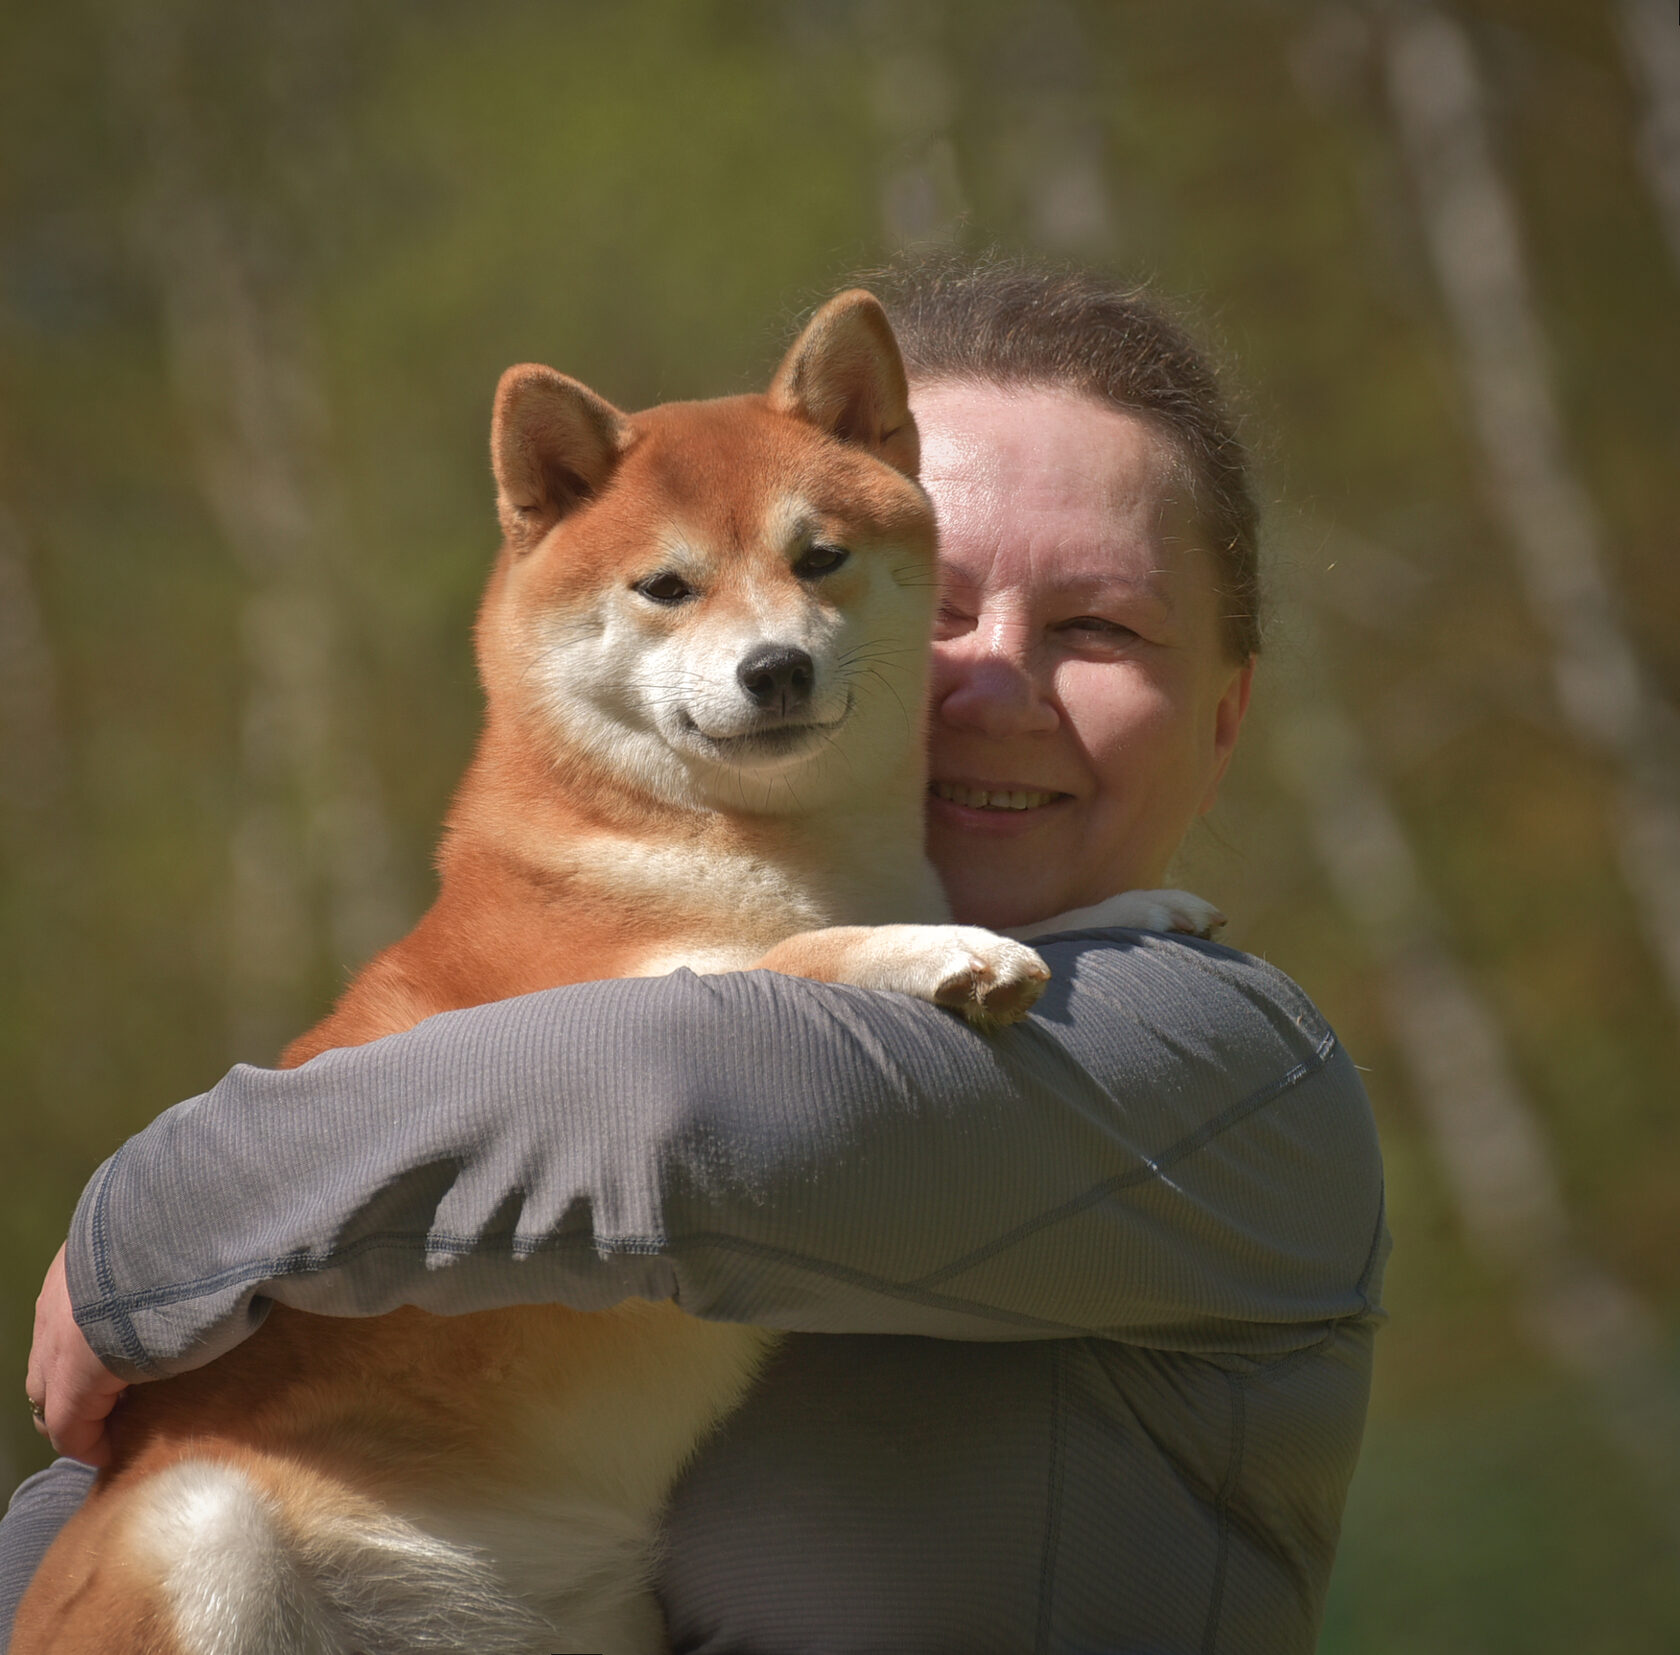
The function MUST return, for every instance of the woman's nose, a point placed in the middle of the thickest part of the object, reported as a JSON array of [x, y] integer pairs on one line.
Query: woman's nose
[[991, 686]]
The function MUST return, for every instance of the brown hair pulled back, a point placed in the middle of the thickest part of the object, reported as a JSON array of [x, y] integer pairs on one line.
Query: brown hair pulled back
[[1011, 322]]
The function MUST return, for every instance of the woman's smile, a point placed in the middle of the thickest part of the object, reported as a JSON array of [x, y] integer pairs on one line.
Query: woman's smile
[[1014, 796], [996, 810]]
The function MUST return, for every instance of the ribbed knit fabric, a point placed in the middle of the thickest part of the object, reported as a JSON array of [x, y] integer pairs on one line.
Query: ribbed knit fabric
[[1107, 1280], [39, 1508]]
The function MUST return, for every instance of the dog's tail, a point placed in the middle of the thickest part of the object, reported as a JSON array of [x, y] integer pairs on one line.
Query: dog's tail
[[232, 1573]]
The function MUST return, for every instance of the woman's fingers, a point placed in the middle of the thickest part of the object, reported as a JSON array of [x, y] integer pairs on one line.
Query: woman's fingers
[[71, 1392]]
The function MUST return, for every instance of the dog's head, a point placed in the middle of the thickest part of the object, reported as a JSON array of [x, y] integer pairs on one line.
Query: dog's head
[[723, 604]]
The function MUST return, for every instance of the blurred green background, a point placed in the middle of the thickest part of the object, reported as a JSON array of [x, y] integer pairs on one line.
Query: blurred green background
[[261, 264]]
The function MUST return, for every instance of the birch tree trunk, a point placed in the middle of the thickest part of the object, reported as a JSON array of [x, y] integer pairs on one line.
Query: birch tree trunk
[[1470, 224], [310, 827], [1650, 37], [1485, 1131]]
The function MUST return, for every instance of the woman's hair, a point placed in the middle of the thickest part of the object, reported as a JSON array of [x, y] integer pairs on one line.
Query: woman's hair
[[1011, 322]]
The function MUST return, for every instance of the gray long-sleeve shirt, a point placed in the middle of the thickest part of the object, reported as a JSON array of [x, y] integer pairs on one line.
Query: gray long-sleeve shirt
[[1083, 1310]]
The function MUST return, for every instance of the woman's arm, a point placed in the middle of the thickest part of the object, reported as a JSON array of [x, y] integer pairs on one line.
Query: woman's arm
[[1172, 1150]]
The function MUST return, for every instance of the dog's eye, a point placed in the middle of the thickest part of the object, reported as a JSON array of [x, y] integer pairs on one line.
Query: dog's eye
[[665, 587], [820, 560]]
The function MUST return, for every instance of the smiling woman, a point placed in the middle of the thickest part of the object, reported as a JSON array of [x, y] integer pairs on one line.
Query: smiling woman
[[1084, 700], [1099, 611], [1080, 1313]]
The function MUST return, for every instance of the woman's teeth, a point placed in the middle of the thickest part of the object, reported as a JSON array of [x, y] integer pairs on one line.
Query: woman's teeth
[[980, 798]]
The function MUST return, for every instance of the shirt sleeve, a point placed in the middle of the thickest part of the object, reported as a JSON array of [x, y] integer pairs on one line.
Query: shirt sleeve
[[40, 1506], [1173, 1150]]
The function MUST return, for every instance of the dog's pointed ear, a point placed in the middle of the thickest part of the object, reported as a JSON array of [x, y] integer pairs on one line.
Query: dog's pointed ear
[[845, 376], [553, 445]]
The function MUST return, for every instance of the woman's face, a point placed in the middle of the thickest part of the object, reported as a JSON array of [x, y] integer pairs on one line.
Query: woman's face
[[1083, 705]]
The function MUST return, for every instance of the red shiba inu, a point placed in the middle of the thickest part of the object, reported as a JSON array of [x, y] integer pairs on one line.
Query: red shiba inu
[[703, 653]]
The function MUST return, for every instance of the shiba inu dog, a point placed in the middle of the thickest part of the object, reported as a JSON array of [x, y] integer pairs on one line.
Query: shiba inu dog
[[703, 654]]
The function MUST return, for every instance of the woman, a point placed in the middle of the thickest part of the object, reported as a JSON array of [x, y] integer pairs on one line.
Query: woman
[[1082, 1313]]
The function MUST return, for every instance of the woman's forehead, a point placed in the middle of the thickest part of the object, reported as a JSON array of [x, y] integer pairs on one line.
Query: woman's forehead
[[1060, 449], [1053, 490]]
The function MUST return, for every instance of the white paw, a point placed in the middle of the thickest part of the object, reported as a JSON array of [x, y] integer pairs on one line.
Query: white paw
[[1137, 911], [988, 978]]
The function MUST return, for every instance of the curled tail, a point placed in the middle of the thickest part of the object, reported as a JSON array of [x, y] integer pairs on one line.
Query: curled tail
[[205, 1560]]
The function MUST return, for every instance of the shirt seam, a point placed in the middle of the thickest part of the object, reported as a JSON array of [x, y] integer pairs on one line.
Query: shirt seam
[[1280, 1367], [128, 1336], [1053, 1513], [1153, 1166], [117, 1307], [1236, 1386], [1363, 1285]]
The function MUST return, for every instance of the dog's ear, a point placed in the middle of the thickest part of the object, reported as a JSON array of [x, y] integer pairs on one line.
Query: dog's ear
[[553, 445], [844, 375]]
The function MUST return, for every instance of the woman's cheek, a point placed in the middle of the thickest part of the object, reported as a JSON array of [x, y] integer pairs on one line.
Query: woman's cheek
[[1118, 708]]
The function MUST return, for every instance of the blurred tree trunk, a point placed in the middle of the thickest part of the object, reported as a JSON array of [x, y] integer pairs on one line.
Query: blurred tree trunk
[[913, 102], [38, 891], [1484, 1129], [1051, 132], [1651, 45], [47, 891], [310, 824], [34, 764], [1470, 224], [43, 876]]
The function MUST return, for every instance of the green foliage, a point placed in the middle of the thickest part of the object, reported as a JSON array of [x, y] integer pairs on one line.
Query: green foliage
[[1492, 1524]]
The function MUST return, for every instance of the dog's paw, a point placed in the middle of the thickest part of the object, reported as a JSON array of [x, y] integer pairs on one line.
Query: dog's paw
[[1136, 911], [1162, 911], [988, 978]]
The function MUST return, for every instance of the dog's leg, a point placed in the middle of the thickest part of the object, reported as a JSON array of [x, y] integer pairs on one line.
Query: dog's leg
[[988, 978]]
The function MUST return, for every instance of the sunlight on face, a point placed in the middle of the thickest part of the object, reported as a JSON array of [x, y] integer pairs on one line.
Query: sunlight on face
[[1083, 702]]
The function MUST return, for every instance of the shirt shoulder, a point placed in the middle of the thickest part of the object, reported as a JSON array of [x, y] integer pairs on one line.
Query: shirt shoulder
[[1199, 970], [1194, 1017]]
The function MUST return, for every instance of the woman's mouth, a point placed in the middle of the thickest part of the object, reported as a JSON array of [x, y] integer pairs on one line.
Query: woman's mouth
[[993, 798]]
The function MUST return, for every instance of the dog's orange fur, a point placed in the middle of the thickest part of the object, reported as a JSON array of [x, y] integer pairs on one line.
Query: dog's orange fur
[[543, 883]]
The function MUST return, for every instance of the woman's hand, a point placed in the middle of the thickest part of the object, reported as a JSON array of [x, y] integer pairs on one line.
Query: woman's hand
[[70, 1390]]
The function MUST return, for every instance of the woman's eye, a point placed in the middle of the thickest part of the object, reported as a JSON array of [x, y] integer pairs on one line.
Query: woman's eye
[[1096, 626], [820, 560], [665, 587]]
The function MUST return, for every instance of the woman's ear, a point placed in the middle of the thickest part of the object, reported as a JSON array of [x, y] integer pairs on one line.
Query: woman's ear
[[845, 376], [553, 445], [1228, 714]]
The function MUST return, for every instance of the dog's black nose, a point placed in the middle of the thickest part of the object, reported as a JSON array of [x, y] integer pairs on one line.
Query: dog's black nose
[[778, 678]]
